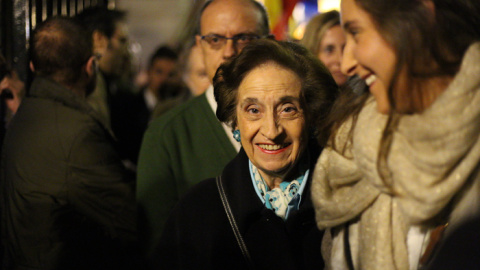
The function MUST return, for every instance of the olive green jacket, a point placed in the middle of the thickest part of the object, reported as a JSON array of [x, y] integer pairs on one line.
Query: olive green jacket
[[66, 200]]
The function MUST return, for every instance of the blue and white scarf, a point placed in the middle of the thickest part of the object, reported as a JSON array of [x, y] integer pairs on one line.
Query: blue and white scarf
[[282, 200]]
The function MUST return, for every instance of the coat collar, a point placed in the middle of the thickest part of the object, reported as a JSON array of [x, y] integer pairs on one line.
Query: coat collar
[[43, 87], [244, 201]]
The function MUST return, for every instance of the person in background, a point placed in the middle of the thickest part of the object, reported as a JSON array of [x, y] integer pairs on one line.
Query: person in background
[[66, 200], [404, 160], [195, 75], [131, 112], [162, 67], [11, 87], [11, 94], [324, 37], [274, 95], [188, 144], [110, 44], [193, 82]]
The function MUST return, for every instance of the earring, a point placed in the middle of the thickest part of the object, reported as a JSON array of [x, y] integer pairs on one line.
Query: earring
[[236, 135]]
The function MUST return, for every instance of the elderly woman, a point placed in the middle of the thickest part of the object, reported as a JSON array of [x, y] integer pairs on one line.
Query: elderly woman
[[324, 37], [405, 160], [258, 212]]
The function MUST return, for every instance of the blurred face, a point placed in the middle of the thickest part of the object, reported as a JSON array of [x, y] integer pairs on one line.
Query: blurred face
[[330, 53], [270, 119], [116, 56], [367, 54], [196, 76], [227, 18], [161, 70]]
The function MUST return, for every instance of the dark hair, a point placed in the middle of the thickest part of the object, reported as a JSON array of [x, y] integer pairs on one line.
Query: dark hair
[[4, 69], [59, 48], [318, 92], [163, 52], [316, 29], [100, 18], [264, 24]]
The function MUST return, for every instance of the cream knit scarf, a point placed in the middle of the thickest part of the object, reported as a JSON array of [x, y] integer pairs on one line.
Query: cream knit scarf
[[432, 158]]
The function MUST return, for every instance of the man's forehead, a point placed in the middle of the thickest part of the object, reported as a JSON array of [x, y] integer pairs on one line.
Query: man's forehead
[[239, 16]]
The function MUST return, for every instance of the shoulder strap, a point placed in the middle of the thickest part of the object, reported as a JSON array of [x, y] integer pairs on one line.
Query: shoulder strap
[[346, 243], [233, 223]]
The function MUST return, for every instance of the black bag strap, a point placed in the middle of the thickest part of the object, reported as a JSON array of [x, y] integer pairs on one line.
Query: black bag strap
[[348, 251], [233, 223]]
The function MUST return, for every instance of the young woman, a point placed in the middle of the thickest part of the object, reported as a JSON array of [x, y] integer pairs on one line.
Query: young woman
[[403, 161]]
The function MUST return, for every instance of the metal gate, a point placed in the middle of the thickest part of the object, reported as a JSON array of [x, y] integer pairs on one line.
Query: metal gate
[[18, 19]]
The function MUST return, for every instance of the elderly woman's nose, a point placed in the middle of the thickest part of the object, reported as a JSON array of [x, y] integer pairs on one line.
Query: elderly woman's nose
[[271, 128], [348, 60]]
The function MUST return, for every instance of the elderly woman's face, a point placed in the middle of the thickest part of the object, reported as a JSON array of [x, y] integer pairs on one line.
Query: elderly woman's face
[[270, 118]]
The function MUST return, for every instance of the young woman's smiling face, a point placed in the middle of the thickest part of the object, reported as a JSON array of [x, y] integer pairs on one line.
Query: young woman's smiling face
[[367, 53], [270, 118]]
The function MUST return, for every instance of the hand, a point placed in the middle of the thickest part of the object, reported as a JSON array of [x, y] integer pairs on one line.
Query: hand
[[16, 87]]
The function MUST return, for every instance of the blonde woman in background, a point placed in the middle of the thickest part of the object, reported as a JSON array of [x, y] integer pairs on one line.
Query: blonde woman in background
[[324, 37]]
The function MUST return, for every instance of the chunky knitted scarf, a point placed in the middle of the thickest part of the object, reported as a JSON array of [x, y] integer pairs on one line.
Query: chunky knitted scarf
[[434, 159]]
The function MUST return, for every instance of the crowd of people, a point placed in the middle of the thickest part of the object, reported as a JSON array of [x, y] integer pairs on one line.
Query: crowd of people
[[357, 147]]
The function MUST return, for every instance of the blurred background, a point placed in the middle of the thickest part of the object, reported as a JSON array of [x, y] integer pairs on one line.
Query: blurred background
[[151, 23]]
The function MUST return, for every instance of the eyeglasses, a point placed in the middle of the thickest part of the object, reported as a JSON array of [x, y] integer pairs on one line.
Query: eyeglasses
[[216, 41]]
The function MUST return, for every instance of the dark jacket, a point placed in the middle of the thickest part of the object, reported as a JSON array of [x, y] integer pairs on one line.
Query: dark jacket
[[460, 249], [198, 234], [129, 119], [66, 201]]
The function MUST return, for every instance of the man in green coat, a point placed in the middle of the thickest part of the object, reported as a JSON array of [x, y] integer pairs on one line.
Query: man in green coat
[[188, 144], [67, 202]]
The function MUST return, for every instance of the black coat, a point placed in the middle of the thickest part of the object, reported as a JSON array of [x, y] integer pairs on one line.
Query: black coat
[[198, 234], [129, 119]]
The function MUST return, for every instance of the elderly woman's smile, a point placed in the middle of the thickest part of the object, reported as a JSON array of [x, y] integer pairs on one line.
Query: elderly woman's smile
[[271, 119], [273, 148]]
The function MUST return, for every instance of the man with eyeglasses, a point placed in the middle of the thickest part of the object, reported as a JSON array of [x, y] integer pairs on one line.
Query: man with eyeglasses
[[189, 144]]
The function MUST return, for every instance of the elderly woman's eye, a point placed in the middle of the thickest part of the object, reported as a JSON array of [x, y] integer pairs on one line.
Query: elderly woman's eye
[[289, 109], [253, 110]]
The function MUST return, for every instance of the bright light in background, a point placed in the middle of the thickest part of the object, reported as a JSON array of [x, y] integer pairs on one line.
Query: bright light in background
[[327, 5], [298, 13], [289, 17]]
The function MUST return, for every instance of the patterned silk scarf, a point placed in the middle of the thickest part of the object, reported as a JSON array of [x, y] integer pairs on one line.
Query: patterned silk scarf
[[281, 200]]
